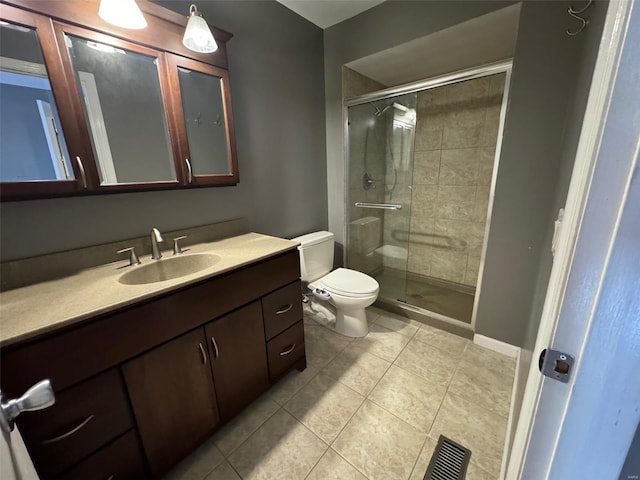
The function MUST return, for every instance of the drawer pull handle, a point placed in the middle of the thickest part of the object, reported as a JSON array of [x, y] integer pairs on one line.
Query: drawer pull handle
[[204, 355], [288, 351], [111, 477], [69, 433], [215, 347], [284, 309]]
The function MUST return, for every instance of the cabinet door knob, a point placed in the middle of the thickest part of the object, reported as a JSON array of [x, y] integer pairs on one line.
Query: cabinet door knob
[[204, 354], [284, 309], [215, 347], [287, 351]]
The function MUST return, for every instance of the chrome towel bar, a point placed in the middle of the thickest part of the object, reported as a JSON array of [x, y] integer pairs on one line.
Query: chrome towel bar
[[382, 206]]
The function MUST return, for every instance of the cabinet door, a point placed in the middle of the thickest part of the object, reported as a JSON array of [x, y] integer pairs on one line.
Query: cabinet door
[[204, 122], [238, 358], [173, 399], [34, 155]]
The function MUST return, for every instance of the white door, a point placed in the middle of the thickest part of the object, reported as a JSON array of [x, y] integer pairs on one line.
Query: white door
[[15, 463], [583, 428]]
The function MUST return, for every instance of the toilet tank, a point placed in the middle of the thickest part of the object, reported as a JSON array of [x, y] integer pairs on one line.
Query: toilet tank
[[316, 255]]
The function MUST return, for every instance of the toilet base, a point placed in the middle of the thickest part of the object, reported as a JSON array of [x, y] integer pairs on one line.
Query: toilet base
[[350, 323]]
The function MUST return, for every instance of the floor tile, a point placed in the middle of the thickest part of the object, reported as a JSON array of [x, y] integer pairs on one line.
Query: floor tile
[[398, 324], [333, 467], [282, 448], [474, 427], [476, 473], [485, 377], [433, 364], [288, 386], [382, 342], [197, 465], [224, 471], [372, 314], [422, 464], [322, 345], [379, 444], [409, 397], [440, 339], [241, 427], [324, 406], [357, 369]]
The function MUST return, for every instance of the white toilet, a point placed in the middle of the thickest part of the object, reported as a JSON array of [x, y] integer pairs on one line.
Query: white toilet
[[350, 292]]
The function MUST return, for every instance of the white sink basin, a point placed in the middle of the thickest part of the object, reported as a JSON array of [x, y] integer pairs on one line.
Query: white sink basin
[[168, 268]]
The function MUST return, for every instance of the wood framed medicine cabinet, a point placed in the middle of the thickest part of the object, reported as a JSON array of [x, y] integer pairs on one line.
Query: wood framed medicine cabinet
[[110, 109]]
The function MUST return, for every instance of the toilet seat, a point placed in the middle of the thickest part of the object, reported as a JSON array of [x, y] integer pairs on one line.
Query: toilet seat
[[349, 283]]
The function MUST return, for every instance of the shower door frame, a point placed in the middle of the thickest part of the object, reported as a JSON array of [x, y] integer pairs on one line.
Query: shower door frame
[[505, 67]]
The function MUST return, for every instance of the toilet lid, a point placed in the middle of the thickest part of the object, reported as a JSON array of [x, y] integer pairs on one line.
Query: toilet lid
[[349, 282]]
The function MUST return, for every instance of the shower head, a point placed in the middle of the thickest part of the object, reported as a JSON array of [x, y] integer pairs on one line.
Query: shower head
[[379, 112]]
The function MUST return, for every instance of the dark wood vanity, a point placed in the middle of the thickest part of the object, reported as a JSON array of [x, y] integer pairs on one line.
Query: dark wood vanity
[[128, 110], [140, 388]]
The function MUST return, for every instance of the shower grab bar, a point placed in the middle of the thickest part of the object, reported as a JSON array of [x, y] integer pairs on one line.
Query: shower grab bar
[[382, 206]]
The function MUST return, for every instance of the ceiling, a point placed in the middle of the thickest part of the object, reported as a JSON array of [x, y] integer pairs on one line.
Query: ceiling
[[325, 13], [479, 41]]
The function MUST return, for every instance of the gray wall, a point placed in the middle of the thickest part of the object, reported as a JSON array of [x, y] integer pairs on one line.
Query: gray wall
[[549, 85], [549, 88], [385, 26], [276, 71]]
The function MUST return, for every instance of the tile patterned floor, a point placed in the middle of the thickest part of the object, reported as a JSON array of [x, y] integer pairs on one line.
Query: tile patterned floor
[[369, 408]]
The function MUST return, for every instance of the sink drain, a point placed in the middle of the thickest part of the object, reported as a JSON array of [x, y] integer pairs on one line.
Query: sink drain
[[449, 461]]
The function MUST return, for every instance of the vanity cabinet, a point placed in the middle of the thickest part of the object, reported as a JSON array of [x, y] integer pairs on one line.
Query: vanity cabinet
[[173, 399], [144, 386], [238, 358]]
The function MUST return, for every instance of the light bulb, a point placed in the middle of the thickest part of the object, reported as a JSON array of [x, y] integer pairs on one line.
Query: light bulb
[[122, 13]]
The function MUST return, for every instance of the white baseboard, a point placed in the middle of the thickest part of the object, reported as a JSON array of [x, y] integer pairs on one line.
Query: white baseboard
[[510, 423], [496, 345]]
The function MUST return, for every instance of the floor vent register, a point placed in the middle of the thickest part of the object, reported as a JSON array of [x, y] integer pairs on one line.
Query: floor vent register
[[449, 461]]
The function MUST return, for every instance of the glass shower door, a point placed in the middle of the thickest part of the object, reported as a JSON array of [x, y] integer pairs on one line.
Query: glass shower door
[[380, 144]]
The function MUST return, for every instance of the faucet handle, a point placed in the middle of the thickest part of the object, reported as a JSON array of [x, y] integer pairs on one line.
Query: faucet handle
[[177, 249], [133, 258]]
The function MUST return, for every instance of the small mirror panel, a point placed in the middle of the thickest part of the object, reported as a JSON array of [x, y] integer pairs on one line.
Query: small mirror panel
[[206, 125], [126, 118], [32, 145]]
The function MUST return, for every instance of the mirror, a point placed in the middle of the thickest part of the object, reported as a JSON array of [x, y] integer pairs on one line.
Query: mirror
[[32, 145], [204, 116], [123, 104]]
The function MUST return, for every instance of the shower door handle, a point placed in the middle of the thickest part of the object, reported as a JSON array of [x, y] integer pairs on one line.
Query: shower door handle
[[382, 206]]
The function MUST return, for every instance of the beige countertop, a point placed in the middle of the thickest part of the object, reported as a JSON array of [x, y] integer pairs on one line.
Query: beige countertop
[[44, 307]]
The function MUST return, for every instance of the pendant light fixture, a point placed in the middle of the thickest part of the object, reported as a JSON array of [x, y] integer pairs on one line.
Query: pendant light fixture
[[122, 13], [197, 36]]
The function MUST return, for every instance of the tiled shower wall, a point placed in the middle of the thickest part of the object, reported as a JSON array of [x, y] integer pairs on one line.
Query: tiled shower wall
[[455, 143]]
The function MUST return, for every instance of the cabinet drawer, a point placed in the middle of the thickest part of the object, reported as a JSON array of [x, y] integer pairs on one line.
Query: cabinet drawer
[[285, 350], [281, 309], [120, 460], [83, 419]]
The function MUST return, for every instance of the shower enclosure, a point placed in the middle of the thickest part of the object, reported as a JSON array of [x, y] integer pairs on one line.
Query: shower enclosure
[[420, 171]]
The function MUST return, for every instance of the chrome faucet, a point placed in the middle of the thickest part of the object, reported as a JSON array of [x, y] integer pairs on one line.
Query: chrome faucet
[[155, 238]]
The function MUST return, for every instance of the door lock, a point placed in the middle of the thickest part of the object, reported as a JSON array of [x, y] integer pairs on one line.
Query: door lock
[[556, 365], [36, 398]]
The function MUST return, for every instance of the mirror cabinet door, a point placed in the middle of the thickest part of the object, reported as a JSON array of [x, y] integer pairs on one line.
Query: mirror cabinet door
[[204, 118], [123, 103], [34, 157]]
